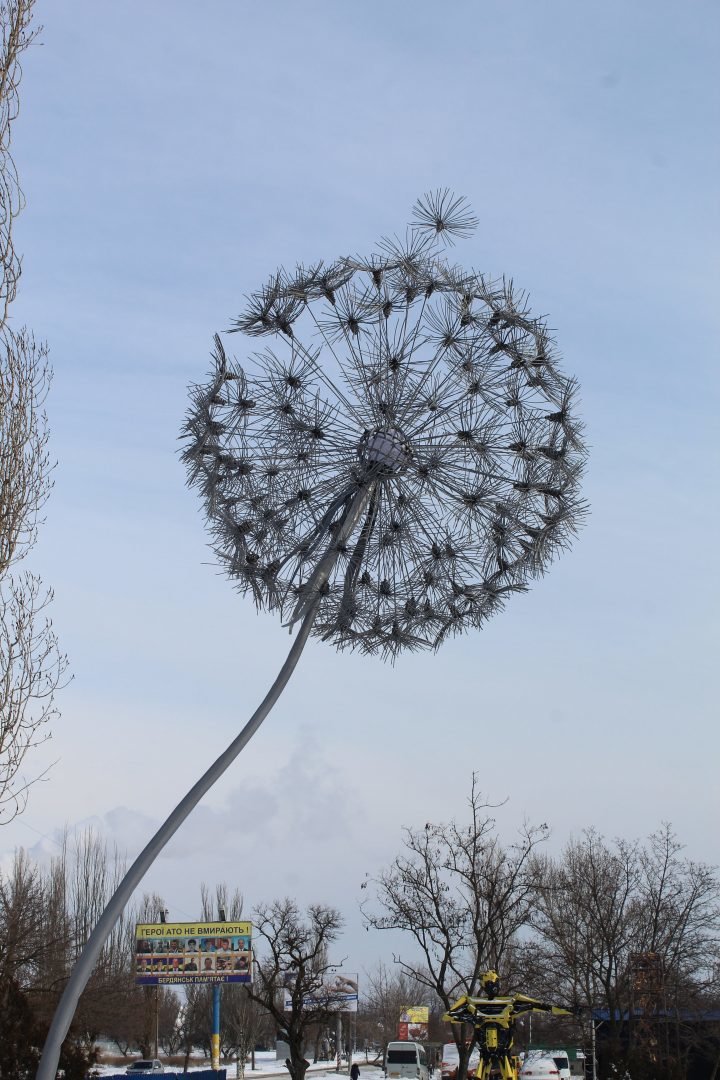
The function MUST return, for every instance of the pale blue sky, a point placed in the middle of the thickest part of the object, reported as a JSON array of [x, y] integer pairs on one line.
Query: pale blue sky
[[171, 160]]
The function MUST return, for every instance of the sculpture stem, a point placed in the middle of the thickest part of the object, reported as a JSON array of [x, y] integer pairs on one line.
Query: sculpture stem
[[310, 590], [86, 961]]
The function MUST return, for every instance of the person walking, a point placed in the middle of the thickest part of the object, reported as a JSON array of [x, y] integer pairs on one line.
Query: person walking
[[355, 1071]]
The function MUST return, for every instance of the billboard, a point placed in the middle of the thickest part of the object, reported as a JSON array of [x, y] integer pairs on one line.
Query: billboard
[[413, 1023], [172, 953], [338, 993]]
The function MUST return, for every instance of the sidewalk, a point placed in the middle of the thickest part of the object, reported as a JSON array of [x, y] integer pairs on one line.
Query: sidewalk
[[319, 1066], [326, 1067]]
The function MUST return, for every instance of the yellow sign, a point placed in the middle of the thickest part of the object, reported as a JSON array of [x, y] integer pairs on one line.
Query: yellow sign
[[192, 930], [415, 1014]]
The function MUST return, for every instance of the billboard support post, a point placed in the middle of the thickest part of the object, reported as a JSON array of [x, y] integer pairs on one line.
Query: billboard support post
[[338, 1040], [161, 915], [215, 1037]]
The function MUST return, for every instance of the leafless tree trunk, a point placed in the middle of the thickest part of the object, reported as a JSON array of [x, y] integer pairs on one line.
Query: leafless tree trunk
[[31, 665], [462, 897]]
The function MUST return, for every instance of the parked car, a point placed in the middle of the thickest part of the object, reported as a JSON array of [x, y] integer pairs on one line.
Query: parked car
[[540, 1068], [563, 1063], [145, 1066]]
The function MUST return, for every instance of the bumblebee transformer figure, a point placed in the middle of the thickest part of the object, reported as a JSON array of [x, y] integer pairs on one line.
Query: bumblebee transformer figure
[[493, 1020]]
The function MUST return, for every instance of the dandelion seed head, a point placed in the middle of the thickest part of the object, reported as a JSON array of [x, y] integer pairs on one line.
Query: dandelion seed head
[[431, 389]]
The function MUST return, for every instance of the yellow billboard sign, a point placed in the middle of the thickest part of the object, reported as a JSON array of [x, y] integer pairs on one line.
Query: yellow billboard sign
[[415, 1014]]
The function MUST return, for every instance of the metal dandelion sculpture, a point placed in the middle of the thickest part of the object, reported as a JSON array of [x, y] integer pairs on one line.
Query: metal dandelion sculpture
[[400, 458]]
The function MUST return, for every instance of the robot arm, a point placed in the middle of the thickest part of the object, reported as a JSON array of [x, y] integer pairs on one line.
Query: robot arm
[[522, 1004], [461, 1012], [470, 1010]]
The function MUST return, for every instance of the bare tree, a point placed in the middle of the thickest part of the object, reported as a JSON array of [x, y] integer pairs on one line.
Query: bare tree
[[632, 929], [128, 1019], [43, 914], [22, 923], [242, 1019], [21, 949], [388, 990], [80, 880], [151, 909], [31, 665], [588, 916], [462, 897], [46, 914], [295, 961], [24, 384], [170, 1006], [225, 900], [15, 36]]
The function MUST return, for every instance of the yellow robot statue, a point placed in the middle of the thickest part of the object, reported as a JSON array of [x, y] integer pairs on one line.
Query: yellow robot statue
[[493, 1019]]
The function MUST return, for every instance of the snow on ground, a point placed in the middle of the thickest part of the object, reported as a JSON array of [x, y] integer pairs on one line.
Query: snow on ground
[[266, 1065]]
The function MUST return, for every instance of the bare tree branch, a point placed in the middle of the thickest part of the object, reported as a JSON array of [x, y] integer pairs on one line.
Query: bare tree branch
[[31, 664]]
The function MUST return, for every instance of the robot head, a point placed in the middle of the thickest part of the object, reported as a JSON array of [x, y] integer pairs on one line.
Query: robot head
[[491, 983]]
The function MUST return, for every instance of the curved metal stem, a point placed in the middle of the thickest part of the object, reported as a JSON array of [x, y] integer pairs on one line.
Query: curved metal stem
[[309, 594], [86, 961]]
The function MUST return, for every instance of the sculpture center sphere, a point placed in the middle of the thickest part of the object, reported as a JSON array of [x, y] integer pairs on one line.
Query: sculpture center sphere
[[385, 451]]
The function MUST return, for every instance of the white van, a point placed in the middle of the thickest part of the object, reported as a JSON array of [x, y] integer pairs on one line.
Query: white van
[[406, 1061]]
